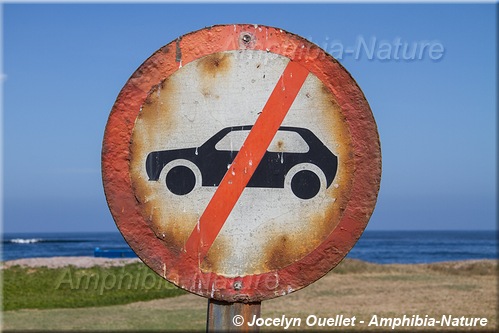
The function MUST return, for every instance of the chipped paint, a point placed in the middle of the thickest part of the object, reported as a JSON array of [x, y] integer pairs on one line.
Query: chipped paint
[[272, 243]]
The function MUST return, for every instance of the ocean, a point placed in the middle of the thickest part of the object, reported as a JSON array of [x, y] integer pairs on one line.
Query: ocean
[[384, 247]]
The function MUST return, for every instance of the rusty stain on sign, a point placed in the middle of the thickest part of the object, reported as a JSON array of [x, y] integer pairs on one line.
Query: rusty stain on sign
[[180, 121]]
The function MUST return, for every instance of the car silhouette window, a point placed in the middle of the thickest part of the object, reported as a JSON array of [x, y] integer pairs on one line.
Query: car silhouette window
[[233, 141], [284, 141], [288, 142]]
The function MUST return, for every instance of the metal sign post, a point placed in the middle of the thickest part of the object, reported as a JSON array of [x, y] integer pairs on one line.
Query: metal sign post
[[232, 317], [241, 163]]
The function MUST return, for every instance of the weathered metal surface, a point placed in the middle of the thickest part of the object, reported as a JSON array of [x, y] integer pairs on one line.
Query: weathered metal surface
[[273, 241], [232, 317]]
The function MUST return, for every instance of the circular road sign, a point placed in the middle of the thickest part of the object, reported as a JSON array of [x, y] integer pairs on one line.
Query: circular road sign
[[241, 162]]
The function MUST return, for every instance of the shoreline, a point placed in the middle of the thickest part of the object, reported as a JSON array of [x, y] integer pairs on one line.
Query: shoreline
[[89, 261], [77, 261]]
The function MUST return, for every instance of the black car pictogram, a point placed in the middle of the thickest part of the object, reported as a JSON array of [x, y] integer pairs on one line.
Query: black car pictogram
[[310, 165]]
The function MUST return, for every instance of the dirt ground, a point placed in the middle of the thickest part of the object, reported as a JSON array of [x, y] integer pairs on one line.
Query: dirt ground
[[367, 291]]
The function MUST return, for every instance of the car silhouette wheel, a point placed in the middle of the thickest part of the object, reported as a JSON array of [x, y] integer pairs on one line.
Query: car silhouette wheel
[[180, 180], [305, 184]]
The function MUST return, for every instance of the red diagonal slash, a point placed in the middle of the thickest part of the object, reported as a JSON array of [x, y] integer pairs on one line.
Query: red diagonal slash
[[246, 161]]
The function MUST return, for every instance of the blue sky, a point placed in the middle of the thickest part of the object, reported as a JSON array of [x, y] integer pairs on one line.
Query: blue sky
[[64, 66]]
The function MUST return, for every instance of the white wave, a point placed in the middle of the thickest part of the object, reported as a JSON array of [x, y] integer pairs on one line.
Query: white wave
[[25, 241]]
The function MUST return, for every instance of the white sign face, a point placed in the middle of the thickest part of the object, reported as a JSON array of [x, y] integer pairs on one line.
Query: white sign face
[[187, 134]]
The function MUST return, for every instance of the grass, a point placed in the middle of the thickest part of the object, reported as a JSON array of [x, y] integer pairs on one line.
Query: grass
[[71, 287], [354, 288]]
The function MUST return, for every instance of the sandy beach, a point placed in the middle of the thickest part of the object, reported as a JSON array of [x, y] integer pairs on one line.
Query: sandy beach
[[57, 262]]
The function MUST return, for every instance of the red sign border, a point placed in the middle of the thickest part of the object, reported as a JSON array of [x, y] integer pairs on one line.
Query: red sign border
[[126, 210]]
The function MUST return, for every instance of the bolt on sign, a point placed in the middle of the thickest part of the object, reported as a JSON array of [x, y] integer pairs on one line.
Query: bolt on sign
[[241, 162]]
